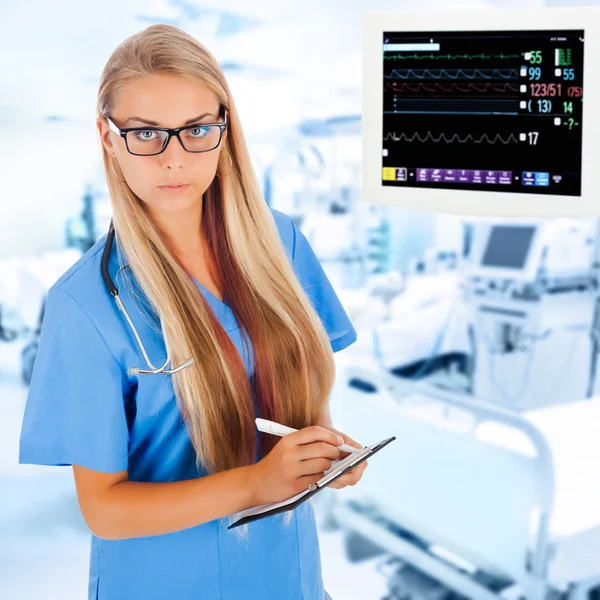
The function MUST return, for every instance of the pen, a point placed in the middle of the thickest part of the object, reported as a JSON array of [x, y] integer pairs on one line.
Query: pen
[[277, 429]]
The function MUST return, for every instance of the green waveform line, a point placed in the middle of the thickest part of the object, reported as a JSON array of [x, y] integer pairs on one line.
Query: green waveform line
[[450, 56]]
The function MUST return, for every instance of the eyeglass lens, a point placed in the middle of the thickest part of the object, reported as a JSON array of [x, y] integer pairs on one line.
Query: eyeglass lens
[[195, 139]]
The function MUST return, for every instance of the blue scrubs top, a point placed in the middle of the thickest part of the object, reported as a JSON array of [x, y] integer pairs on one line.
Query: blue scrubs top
[[84, 409]]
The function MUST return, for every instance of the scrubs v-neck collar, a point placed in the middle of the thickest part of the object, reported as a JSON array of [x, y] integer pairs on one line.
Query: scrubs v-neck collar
[[221, 309]]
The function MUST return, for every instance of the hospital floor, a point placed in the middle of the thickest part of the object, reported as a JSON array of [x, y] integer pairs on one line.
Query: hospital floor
[[44, 542]]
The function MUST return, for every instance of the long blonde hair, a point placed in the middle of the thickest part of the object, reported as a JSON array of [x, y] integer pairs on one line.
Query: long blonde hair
[[294, 365]]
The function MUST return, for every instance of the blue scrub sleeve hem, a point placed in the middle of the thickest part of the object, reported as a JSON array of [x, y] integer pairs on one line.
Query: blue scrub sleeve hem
[[37, 456], [344, 341]]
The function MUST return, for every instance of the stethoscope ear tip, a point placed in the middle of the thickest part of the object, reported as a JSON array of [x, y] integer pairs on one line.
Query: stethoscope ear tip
[[132, 371]]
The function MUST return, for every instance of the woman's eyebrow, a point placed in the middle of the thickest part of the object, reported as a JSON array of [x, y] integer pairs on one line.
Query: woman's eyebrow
[[148, 122]]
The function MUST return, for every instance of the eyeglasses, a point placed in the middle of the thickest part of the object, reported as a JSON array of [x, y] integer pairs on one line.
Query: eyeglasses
[[148, 141]]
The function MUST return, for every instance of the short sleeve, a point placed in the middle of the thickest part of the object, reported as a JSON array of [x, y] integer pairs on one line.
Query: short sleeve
[[75, 408], [321, 293]]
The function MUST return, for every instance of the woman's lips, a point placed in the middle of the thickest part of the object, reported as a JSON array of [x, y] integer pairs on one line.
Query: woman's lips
[[174, 188]]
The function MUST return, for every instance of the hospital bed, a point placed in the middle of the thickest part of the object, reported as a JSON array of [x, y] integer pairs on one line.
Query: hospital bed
[[35, 276], [428, 323], [489, 503], [422, 329]]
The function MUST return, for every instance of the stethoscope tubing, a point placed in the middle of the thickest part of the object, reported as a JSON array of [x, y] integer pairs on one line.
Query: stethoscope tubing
[[114, 291]]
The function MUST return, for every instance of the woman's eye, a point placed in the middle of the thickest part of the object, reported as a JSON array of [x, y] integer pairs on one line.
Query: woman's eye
[[144, 134], [198, 131]]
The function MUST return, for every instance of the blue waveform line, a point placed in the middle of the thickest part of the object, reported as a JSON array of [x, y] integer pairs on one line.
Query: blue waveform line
[[512, 74]]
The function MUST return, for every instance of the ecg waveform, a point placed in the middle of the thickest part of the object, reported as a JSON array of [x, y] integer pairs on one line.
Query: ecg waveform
[[453, 74], [452, 87], [450, 56], [511, 139]]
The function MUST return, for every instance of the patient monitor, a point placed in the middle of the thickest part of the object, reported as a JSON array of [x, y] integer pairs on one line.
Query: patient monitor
[[530, 289], [482, 112]]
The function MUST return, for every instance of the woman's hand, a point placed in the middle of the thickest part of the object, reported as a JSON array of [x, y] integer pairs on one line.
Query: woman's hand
[[297, 460], [353, 476]]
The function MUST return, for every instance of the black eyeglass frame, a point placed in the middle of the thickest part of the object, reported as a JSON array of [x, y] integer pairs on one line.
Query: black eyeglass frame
[[171, 132]]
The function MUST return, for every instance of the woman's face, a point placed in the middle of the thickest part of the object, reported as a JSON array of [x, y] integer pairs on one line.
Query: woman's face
[[168, 101]]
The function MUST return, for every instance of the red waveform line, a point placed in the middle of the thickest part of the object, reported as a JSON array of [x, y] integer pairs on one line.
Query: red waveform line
[[444, 87]]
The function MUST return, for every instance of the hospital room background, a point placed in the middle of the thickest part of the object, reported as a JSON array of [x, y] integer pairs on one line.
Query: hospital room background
[[492, 486]]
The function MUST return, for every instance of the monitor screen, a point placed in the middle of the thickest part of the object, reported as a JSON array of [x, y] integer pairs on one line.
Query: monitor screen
[[493, 111], [508, 246]]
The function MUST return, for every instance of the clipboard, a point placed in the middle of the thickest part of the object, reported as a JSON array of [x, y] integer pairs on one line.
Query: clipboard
[[335, 472]]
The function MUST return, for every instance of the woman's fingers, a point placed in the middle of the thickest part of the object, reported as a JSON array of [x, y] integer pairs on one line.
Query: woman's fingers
[[347, 440], [352, 477]]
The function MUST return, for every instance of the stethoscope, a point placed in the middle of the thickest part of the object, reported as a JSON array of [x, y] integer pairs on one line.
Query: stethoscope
[[112, 288]]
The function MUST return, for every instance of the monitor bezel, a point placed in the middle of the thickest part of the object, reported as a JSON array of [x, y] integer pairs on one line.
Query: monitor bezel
[[479, 202]]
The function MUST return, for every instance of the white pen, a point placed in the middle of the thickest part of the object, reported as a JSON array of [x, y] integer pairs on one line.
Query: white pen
[[277, 429]]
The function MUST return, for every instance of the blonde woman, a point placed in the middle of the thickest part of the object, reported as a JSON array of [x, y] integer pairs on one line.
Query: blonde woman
[[201, 309]]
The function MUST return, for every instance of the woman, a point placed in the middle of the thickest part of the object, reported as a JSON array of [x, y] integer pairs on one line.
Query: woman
[[232, 292]]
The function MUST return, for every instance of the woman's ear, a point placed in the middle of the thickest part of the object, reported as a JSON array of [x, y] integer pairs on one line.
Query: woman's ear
[[104, 131]]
